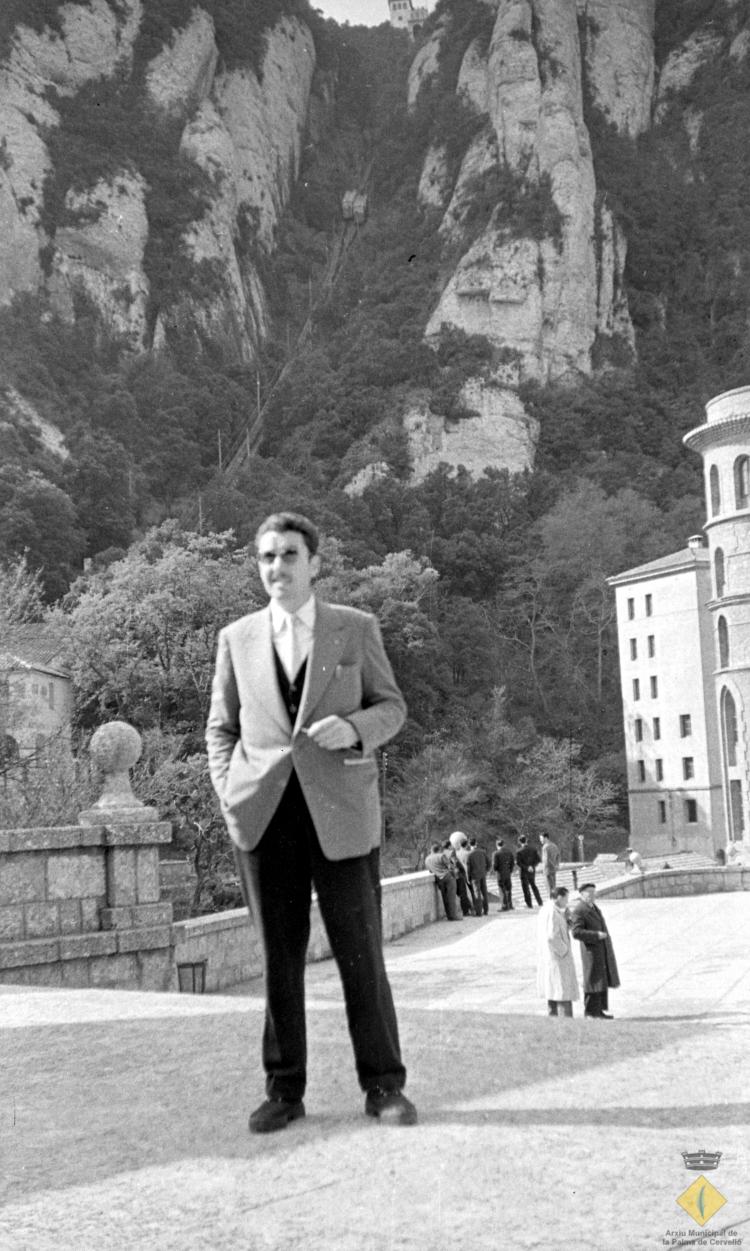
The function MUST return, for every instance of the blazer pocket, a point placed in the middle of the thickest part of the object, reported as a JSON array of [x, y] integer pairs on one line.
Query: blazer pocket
[[347, 686]]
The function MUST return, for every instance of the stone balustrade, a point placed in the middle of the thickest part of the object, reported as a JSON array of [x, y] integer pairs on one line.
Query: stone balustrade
[[659, 883], [230, 944], [80, 905]]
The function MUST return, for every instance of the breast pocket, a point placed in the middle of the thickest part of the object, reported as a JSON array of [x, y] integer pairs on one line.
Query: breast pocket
[[346, 688]]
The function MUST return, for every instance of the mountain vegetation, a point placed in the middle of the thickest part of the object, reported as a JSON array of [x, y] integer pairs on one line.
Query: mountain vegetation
[[492, 591]]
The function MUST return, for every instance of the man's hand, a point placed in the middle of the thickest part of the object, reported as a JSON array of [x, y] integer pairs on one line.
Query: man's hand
[[333, 733]]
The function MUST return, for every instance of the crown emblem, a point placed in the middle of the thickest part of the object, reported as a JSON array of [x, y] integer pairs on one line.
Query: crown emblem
[[700, 1160]]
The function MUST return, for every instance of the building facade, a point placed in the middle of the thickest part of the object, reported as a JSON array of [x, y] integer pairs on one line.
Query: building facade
[[724, 444], [671, 741], [36, 693], [406, 16], [683, 625]]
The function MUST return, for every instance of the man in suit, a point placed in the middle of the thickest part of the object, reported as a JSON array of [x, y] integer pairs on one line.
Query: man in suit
[[303, 693], [439, 865], [527, 858], [598, 963], [503, 863], [477, 868], [550, 862]]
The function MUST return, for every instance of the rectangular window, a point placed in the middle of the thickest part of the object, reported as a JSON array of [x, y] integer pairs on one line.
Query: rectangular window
[[649, 606], [688, 768], [686, 728], [636, 689], [633, 649], [654, 686], [657, 728], [735, 804], [662, 812], [638, 730], [660, 770], [651, 646], [641, 771], [631, 609], [691, 811]]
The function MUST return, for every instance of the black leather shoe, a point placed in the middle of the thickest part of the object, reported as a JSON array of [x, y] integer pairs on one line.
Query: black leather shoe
[[390, 1106], [275, 1114]]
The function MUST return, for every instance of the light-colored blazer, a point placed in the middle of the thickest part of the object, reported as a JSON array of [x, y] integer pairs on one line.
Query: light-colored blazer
[[252, 745]]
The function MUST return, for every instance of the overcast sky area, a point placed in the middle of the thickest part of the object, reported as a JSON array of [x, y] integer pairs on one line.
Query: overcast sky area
[[360, 12]]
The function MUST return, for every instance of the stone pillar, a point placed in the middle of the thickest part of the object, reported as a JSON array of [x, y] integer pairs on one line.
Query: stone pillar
[[131, 834]]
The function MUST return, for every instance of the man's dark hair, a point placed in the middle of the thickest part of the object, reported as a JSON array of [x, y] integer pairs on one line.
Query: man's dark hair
[[559, 891], [545, 835], [587, 886], [283, 522], [499, 843]]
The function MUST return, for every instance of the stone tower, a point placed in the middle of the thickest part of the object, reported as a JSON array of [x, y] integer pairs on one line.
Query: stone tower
[[724, 444]]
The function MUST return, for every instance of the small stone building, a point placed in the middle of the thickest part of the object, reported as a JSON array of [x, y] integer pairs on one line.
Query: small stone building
[[36, 691]]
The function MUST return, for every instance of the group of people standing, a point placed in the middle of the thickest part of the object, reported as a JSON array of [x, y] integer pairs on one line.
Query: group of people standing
[[460, 867]]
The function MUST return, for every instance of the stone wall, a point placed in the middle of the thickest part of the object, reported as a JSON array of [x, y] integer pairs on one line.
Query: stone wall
[[229, 943], [80, 906], [664, 882]]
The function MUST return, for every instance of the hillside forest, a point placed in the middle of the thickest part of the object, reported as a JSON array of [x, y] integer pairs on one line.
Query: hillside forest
[[491, 590]]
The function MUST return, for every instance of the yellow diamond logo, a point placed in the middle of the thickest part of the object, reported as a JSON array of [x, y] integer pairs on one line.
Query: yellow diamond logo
[[701, 1200]]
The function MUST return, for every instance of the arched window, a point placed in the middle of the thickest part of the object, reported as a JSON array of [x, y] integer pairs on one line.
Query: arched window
[[730, 728], [723, 631], [713, 479], [742, 482], [719, 572]]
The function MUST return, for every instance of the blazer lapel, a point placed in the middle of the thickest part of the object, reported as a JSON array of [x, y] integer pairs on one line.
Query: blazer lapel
[[329, 640], [259, 656]]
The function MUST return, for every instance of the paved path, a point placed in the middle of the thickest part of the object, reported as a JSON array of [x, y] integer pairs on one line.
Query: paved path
[[123, 1115]]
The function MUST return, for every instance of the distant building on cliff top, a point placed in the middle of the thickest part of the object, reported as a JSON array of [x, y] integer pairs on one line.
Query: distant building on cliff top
[[406, 16], [684, 639]]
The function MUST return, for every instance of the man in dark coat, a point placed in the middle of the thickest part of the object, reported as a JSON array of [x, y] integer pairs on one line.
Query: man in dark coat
[[503, 863], [597, 953], [478, 865], [527, 858]]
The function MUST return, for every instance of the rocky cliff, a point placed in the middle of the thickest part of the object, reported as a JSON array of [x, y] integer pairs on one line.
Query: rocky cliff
[[241, 126], [546, 287], [543, 279]]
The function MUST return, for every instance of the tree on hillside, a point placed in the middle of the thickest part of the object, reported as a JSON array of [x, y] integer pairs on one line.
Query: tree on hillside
[[143, 631]]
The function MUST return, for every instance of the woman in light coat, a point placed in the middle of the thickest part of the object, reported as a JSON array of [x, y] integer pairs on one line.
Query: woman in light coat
[[556, 979]]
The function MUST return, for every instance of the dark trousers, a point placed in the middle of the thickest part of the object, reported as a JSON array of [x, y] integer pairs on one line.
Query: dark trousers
[[565, 1004], [277, 880], [594, 1002], [528, 885], [505, 886], [481, 898], [447, 887], [465, 895]]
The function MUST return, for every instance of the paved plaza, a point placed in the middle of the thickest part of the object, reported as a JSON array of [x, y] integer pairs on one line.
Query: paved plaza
[[123, 1114]]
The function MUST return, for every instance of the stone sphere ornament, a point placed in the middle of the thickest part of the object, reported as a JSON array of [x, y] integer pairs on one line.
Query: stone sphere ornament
[[115, 748]]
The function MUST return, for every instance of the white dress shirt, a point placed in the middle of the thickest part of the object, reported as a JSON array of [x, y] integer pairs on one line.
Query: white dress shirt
[[297, 636]]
